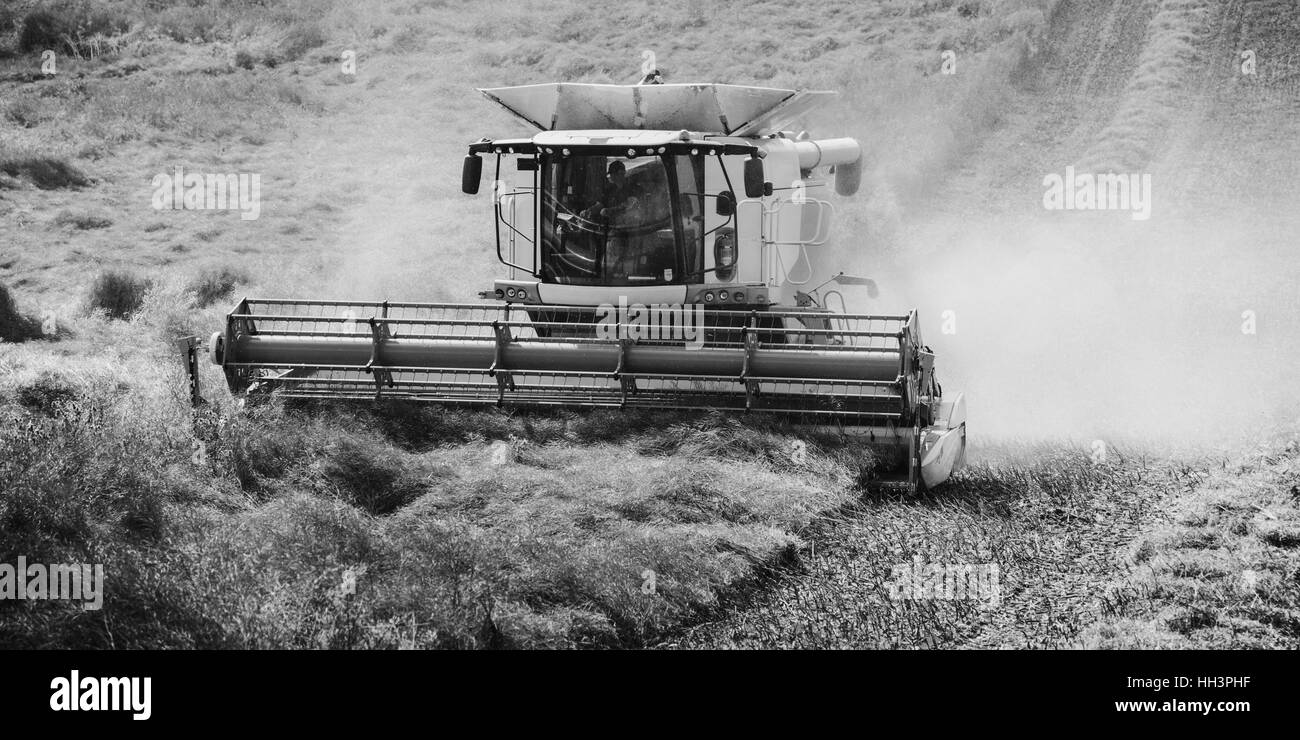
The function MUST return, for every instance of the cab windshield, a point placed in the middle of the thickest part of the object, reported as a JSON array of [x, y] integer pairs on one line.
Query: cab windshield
[[620, 221]]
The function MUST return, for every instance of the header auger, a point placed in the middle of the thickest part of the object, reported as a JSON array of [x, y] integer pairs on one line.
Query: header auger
[[660, 240]]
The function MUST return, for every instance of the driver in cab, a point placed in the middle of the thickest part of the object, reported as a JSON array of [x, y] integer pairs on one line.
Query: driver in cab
[[617, 198]]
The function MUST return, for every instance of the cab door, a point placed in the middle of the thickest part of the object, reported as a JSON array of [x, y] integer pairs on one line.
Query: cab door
[[515, 196], [743, 228]]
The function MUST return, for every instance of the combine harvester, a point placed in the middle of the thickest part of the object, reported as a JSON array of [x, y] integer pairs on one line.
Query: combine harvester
[[660, 240]]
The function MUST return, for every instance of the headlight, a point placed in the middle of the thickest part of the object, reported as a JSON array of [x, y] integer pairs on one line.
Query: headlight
[[510, 292], [708, 297], [722, 295], [739, 296]]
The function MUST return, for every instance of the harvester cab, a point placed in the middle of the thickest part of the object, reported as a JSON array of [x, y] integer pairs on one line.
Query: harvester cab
[[661, 242], [660, 194]]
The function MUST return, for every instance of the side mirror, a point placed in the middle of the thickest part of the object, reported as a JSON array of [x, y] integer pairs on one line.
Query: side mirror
[[754, 178], [726, 203], [471, 174]]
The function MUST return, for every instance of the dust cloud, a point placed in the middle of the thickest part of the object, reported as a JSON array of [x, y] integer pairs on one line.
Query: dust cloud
[[1090, 324], [1074, 327]]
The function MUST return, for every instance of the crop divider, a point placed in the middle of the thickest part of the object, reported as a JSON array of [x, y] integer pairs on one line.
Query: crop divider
[[379, 334], [626, 383], [505, 379]]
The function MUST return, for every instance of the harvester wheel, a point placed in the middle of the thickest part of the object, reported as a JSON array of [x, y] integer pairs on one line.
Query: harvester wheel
[[216, 348]]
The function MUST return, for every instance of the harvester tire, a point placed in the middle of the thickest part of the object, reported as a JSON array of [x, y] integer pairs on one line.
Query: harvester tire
[[216, 348]]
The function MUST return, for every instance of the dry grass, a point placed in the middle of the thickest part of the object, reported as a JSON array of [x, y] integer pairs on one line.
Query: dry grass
[[82, 220], [216, 283], [1158, 91], [458, 528], [70, 26], [15, 326], [118, 294], [47, 173], [1221, 572]]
